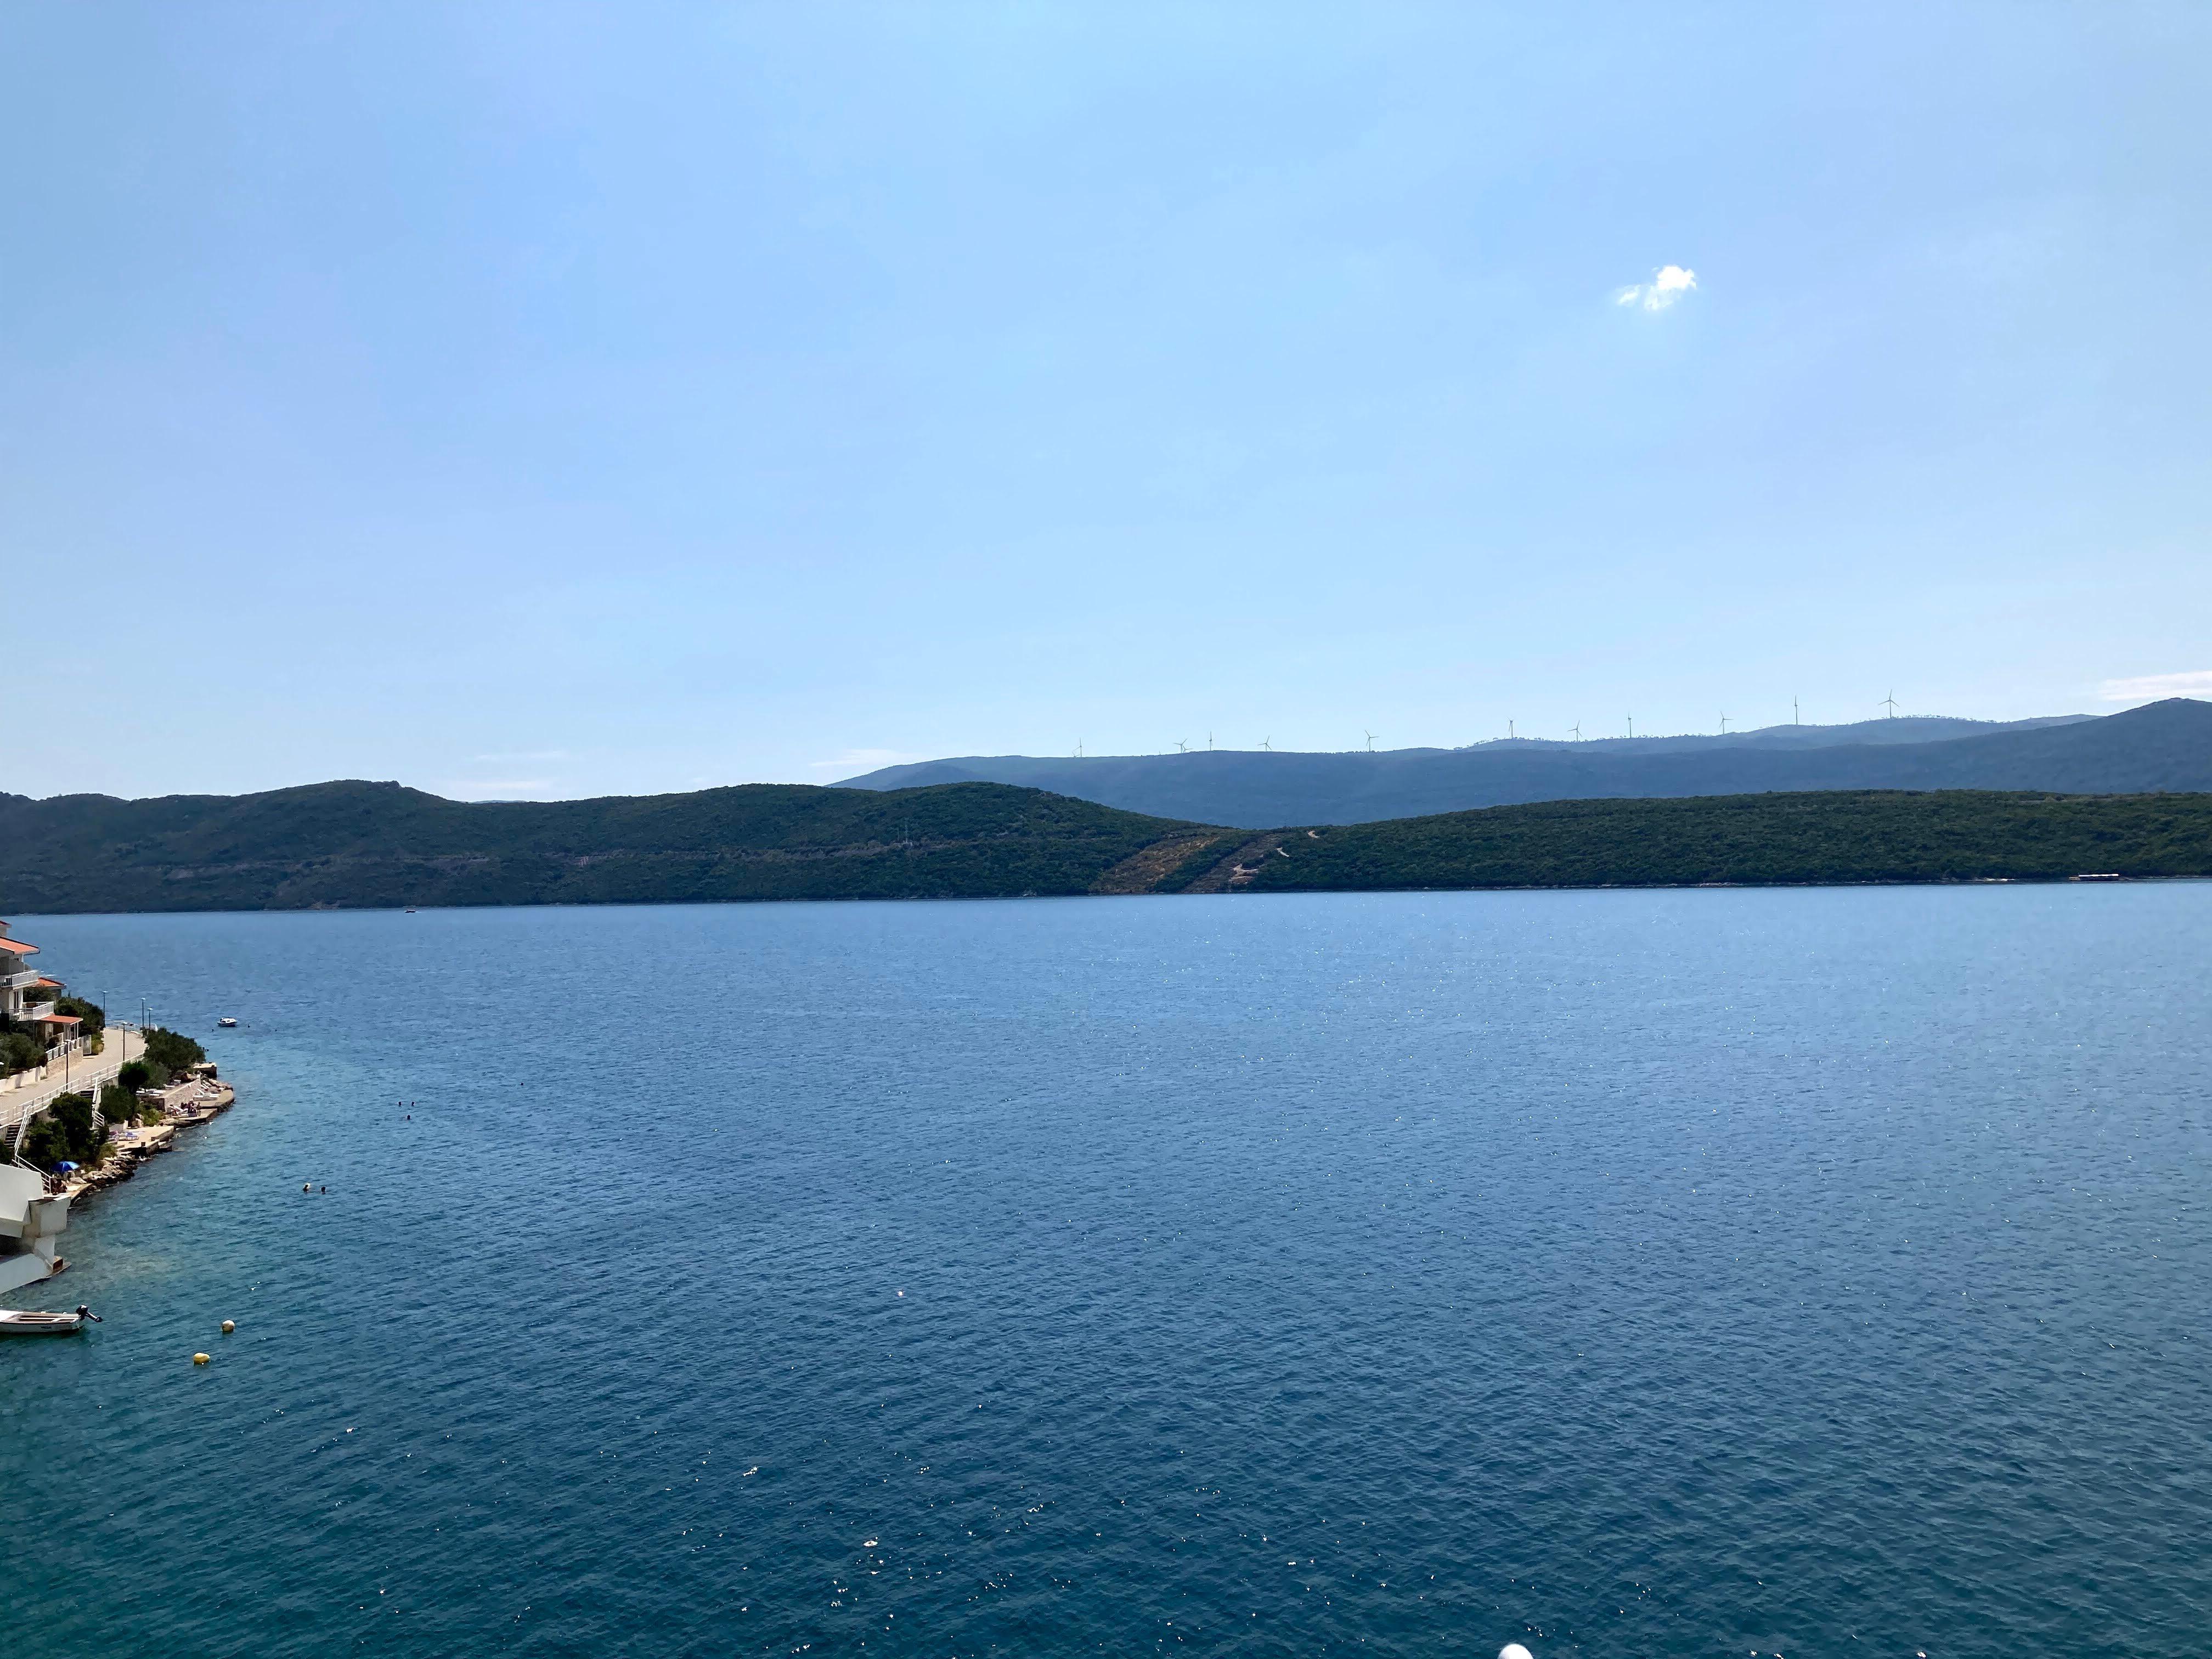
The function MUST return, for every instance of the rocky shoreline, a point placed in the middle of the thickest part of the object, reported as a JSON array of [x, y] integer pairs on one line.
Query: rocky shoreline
[[128, 1147]]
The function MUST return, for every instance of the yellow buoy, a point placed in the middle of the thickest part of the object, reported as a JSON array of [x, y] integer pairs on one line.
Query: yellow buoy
[[228, 1326], [199, 1359]]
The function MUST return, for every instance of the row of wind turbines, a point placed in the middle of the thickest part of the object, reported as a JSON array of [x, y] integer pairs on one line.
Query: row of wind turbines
[[1182, 747]]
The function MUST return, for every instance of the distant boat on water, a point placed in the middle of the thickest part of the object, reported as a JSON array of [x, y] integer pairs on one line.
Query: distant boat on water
[[226, 1020]]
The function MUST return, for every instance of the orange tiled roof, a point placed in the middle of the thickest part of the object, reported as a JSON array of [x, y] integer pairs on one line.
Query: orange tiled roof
[[20, 947]]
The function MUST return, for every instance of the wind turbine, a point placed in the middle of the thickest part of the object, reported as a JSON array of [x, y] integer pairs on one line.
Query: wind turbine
[[1266, 745], [1578, 731], [1724, 724], [1209, 743], [1632, 725], [1509, 733], [1370, 740], [1182, 748], [1794, 721], [1078, 749], [1890, 703]]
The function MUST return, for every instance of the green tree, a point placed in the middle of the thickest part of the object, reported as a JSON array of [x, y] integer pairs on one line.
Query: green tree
[[172, 1051], [118, 1105], [19, 1052], [92, 1021], [64, 1131], [46, 1143]]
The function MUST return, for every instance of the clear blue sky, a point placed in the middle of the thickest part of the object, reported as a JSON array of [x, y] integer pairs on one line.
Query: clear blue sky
[[556, 400]]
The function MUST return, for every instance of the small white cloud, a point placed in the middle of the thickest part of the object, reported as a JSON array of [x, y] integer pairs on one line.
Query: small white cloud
[[1668, 284], [864, 760], [2147, 687]]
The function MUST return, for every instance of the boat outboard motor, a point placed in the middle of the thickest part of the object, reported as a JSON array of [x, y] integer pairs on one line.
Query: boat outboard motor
[[84, 1311]]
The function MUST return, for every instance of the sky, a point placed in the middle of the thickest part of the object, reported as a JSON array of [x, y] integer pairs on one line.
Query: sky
[[541, 400]]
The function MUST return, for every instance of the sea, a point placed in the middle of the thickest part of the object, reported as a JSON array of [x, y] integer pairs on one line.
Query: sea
[[1769, 1272]]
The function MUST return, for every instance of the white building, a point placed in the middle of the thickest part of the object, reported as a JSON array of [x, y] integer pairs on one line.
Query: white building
[[31, 1218], [17, 977], [31, 1223], [26, 996]]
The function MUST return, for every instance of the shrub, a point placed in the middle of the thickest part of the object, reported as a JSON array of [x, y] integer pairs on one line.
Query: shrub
[[64, 1130], [20, 1051], [118, 1105], [74, 1112], [137, 1074], [172, 1051], [46, 1143]]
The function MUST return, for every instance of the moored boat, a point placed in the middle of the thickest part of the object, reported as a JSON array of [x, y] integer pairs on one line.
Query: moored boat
[[226, 1021], [20, 1322]]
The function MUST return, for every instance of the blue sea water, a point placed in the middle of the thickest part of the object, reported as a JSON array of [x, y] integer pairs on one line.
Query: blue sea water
[[1800, 1273]]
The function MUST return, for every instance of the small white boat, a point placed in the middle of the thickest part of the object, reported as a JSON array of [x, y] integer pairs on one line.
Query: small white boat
[[14, 1322], [226, 1021]]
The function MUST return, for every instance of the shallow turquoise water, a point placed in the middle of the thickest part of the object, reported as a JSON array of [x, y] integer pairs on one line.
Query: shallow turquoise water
[[1624, 1273]]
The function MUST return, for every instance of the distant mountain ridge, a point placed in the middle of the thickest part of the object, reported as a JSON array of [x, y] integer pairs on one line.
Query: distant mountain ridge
[[2162, 746], [1901, 728]]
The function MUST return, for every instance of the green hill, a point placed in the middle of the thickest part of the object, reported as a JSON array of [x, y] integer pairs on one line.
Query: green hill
[[335, 845], [1857, 836], [379, 844]]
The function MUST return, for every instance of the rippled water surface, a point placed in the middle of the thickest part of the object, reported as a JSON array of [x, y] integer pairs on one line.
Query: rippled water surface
[[1624, 1274]]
